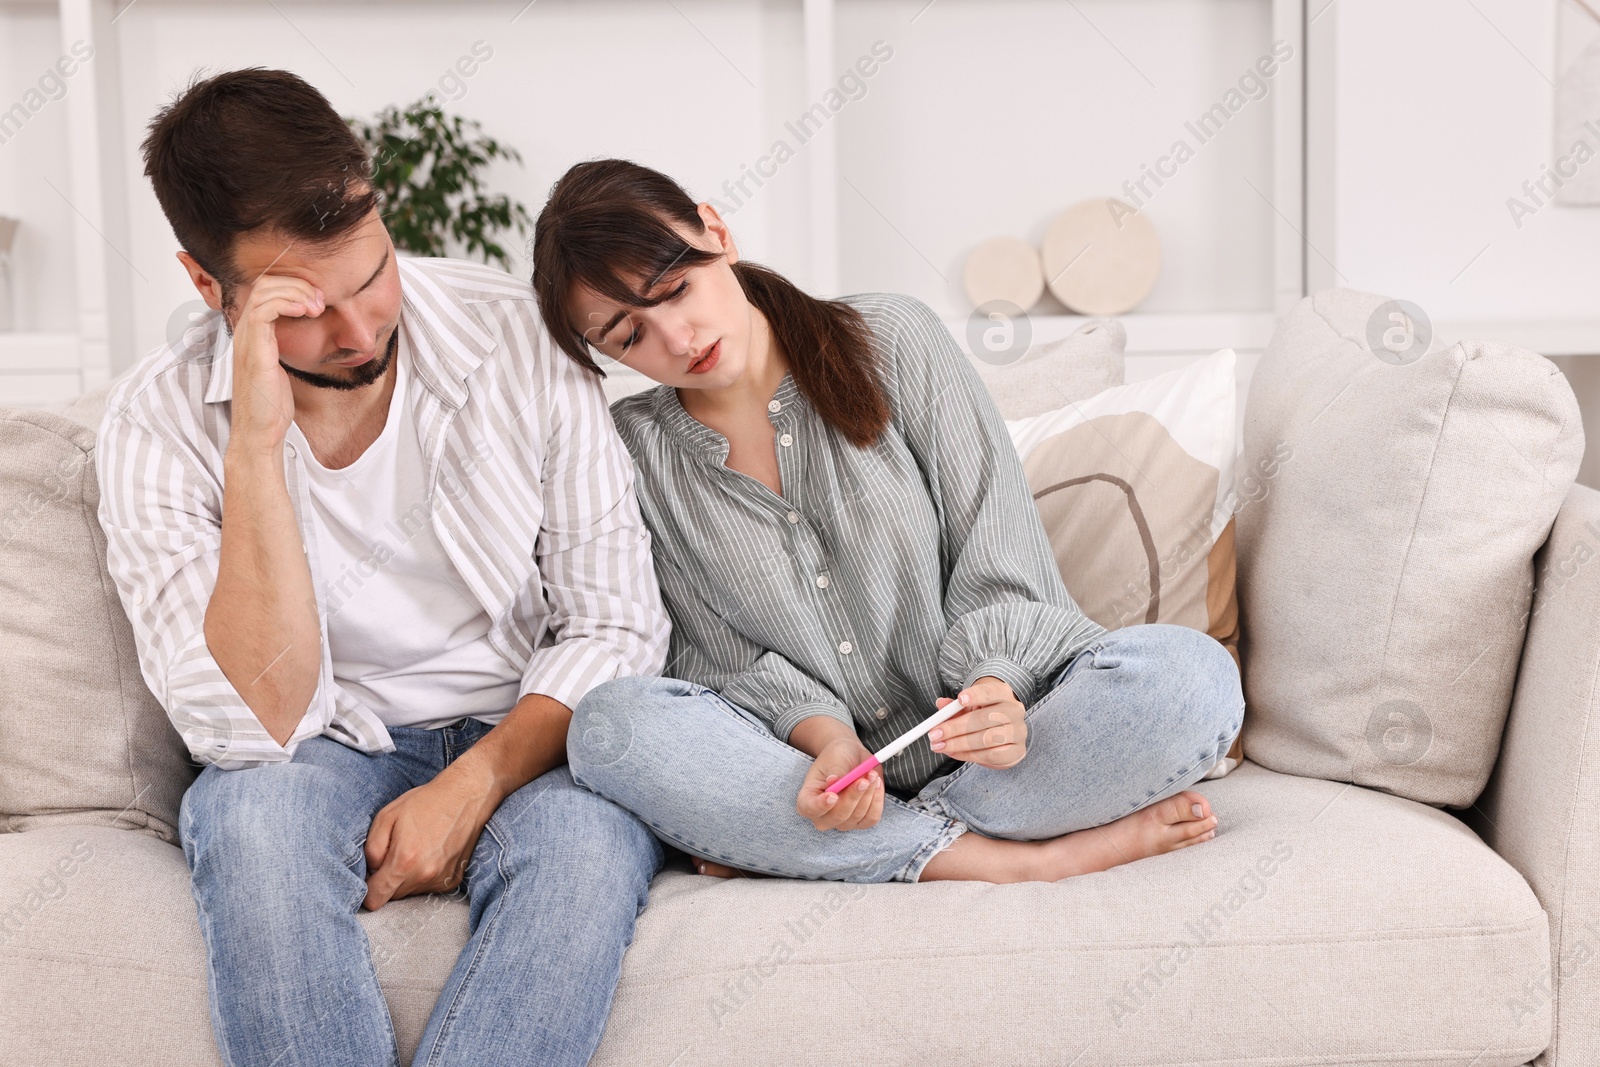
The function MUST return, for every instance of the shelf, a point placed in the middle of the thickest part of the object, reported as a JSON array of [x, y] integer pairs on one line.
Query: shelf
[[1548, 337], [1168, 333]]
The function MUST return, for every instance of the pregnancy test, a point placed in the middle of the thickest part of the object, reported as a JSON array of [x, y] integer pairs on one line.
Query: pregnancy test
[[883, 754]]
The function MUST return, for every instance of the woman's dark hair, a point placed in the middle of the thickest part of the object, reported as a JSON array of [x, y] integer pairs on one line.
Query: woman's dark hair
[[255, 148], [611, 220]]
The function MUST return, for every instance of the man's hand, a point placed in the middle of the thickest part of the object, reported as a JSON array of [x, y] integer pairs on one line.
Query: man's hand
[[422, 840], [992, 731], [263, 403]]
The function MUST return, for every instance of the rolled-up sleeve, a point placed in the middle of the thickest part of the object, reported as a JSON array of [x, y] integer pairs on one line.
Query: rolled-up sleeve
[[1006, 610], [759, 680], [162, 517], [594, 554]]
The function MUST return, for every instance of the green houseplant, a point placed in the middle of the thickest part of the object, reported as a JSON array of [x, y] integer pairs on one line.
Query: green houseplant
[[429, 167]]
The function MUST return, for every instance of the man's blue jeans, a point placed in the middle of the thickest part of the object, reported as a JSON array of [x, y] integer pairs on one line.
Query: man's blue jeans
[[1136, 717], [277, 856]]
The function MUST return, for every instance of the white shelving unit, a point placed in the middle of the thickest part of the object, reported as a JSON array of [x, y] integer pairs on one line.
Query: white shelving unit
[[38, 368], [69, 351], [45, 367]]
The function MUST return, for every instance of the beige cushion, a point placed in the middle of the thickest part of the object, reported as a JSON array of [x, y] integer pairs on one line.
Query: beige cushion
[[84, 739], [1135, 487], [1382, 930], [1054, 373], [1385, 572]]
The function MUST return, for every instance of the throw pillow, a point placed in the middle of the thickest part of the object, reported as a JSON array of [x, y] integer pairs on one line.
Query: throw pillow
[[1135, 486], [1386, 579]]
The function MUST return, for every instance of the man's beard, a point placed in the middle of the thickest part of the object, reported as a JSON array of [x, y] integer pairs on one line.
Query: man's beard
[[360, 377]]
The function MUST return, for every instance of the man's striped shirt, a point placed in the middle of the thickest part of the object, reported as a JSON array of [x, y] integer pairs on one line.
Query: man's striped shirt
[[529, 489]]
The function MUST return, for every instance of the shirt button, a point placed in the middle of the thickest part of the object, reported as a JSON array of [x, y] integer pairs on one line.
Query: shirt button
[[794, 516], [822, 581], [844, 648], [290, 450], [786, 440], [881, 713], [774, 407]]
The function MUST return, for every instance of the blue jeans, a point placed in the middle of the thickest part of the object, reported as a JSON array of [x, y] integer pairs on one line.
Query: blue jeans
[[278, 863], [1134, 718]]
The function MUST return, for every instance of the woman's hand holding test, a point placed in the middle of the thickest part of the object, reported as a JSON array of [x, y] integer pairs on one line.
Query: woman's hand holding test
[[993, 731], [837, 751]]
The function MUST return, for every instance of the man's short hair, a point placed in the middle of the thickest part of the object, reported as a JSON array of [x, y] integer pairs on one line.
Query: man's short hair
[[252, 149]]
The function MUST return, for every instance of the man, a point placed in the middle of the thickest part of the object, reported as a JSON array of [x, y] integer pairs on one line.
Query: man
[[376, 537]]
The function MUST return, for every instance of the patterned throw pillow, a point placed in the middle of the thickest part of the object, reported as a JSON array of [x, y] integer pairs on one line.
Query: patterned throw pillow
[[1136, 489]]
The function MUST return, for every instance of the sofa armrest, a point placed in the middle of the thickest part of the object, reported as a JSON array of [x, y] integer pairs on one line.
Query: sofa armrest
[[1539, 807]]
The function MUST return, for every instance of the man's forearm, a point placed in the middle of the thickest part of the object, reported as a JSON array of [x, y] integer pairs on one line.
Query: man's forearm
[[529, 741], [261, 623]]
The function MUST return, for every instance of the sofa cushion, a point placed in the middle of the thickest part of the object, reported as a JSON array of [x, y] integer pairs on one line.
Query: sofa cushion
[[1324, 923], [1088, 361], [1386, 571], [84, 739]]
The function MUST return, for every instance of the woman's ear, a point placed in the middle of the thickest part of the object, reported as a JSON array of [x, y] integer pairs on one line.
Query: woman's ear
[[718, 229]]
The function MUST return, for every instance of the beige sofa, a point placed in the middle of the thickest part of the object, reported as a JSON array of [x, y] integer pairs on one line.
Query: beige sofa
[[1327, 923]]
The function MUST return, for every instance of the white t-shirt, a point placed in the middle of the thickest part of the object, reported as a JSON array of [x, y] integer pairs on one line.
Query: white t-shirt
[[406, 634]]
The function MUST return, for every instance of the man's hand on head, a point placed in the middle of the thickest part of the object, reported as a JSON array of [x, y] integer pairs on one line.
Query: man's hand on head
[[263, 402]]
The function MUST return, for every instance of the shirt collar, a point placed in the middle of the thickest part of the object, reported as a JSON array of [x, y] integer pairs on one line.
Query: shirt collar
[[699, 438], [446, 339]]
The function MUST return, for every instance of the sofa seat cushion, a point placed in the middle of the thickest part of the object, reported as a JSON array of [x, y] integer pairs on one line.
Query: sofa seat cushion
[[1324, 923]]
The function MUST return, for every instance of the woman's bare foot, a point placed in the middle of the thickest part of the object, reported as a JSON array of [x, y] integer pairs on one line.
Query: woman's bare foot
[[1176, 822], [718, 870]]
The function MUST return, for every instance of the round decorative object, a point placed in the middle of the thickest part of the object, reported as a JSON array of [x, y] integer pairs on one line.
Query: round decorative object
[[1101, 257], [1003, 268]]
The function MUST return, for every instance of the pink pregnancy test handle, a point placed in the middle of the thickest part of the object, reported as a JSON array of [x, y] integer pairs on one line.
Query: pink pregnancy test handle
[[861, 768]]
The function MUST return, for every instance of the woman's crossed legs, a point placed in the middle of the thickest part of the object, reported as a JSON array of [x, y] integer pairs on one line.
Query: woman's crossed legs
[[1113, 746]]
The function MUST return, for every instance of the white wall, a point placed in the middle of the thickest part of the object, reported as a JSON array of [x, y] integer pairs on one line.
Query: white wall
[[1440, 111], [993, 117], [990, 117]]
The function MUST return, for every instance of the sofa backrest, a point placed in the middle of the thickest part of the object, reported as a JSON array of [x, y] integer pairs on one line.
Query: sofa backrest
[[83, 739], [1404, 526]]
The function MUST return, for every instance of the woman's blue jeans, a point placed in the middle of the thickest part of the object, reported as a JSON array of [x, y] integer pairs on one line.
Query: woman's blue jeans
[[1136, 717], [277, 855]]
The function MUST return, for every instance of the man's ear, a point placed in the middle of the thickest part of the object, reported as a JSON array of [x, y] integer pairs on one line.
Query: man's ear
[[209, 288]]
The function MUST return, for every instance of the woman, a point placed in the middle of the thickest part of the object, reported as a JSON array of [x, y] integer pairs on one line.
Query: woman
[[845, 541]]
